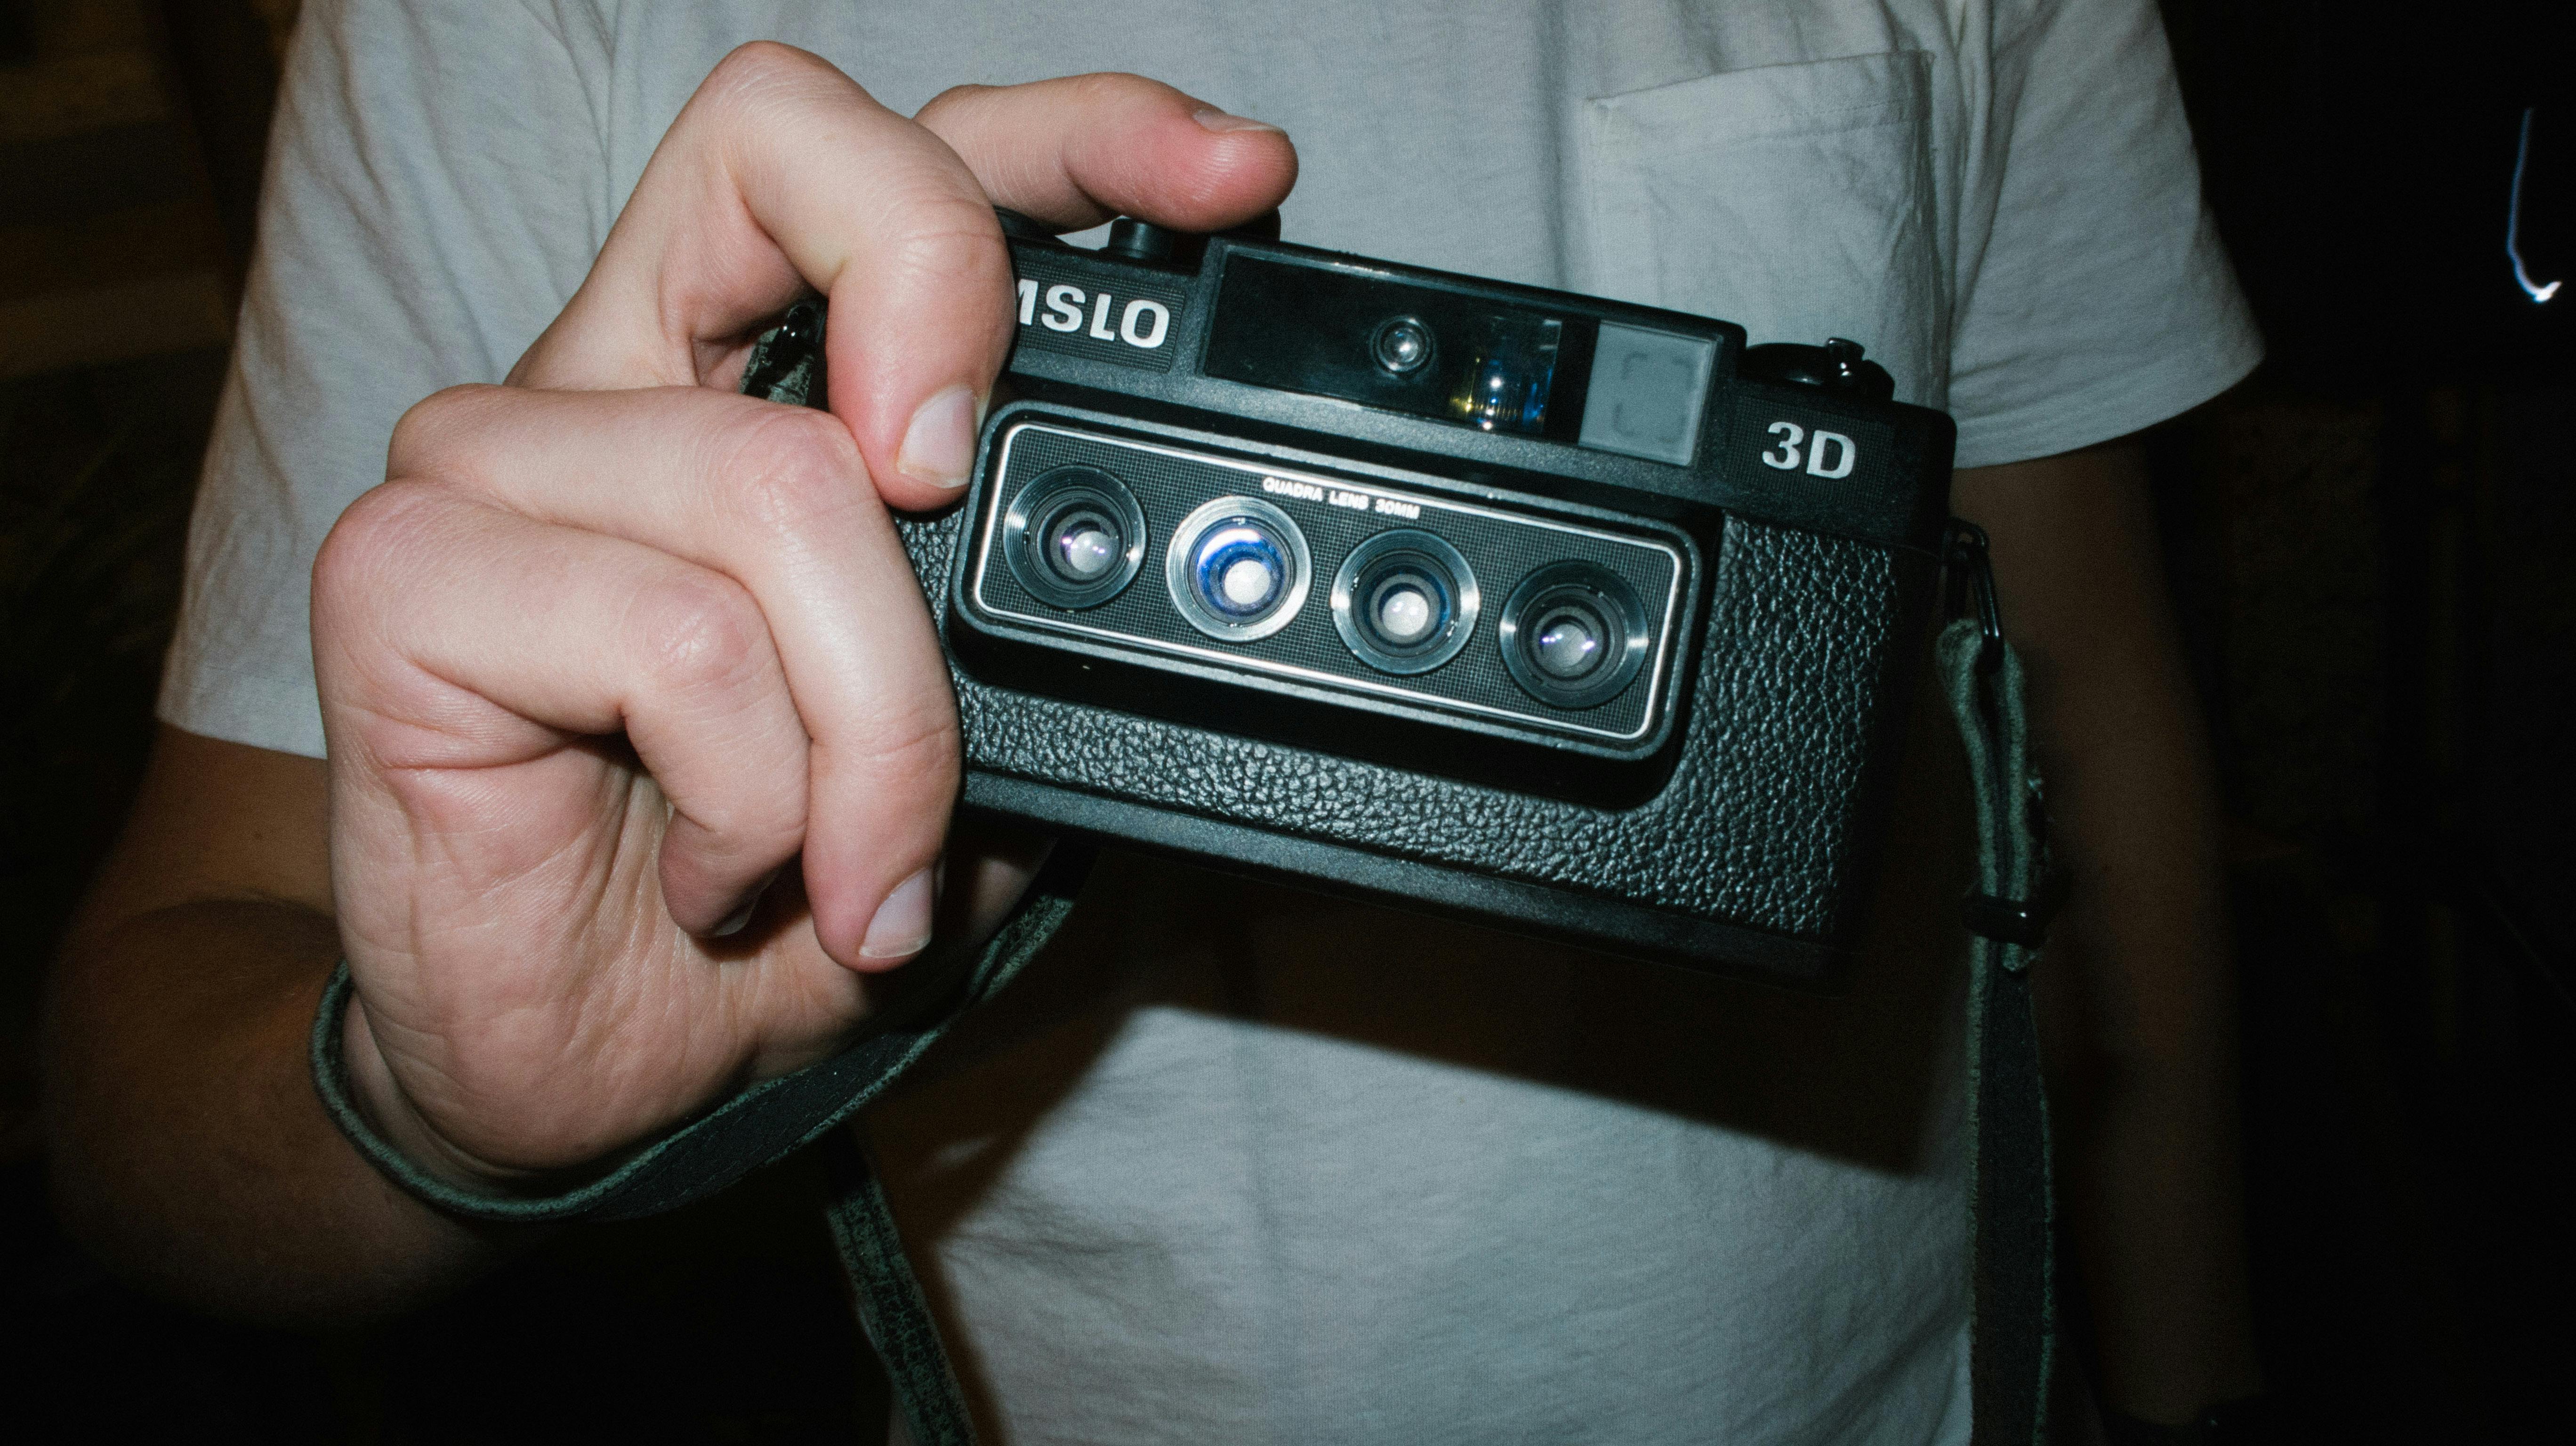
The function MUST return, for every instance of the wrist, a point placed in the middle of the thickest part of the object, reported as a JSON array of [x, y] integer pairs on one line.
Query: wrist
[[380, 1100]]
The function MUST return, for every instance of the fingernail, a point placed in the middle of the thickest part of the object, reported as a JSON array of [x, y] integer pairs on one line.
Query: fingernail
[[902, 924], [939, 446], [1222, 123], [740, 919]]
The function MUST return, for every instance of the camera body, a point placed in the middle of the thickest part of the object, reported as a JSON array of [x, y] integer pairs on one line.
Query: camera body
[[1563, 615]]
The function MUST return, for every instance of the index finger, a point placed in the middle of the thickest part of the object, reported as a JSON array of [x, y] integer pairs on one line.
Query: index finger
[[1076, 151], [782, 173]]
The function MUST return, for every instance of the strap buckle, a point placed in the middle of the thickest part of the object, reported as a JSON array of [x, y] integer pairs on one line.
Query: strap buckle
[[2023, 922], [1968, 572]]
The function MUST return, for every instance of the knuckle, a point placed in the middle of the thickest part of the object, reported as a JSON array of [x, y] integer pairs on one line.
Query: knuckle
[[429, 436], [949, 101], [1111, 87], [763, 73], [759, 62], [765, 819], [947, 251], [729, 826], [700, 632], [792, 467], [387, 524], [951, 238]]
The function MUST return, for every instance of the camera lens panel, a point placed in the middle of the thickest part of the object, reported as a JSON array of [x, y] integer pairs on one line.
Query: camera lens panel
[[1074, 536], [1238, 569], [1405, 635], [1573, 635], [1405, 601]]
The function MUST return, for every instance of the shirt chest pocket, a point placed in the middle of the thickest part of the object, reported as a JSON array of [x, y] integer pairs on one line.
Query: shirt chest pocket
[[1796, 200]]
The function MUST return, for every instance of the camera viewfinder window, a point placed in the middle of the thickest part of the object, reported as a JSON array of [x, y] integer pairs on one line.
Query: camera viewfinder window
[[1446, 353]]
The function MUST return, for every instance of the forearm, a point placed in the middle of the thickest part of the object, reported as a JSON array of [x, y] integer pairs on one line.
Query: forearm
[[2139, 999], [2137, 991], [188, 1147]]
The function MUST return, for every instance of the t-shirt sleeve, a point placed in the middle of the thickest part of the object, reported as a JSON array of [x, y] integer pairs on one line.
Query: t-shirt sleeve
[[435, 192], [2100, 301]]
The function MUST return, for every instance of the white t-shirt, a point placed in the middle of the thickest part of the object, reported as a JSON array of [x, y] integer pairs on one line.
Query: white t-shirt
[[1241, 1165]]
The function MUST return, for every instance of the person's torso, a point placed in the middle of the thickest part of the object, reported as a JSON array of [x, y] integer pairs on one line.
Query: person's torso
[[1234, 1163]]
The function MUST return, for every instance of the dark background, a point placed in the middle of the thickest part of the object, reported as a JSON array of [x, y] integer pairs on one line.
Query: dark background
[[2369, 541]]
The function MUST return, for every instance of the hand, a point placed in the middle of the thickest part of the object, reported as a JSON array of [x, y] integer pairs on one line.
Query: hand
[[642, 747]]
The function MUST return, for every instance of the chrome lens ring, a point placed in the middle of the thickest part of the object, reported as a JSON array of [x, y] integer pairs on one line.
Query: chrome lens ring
[[1237, 569], [1074, 537], [1405, 602], [1573, 635]]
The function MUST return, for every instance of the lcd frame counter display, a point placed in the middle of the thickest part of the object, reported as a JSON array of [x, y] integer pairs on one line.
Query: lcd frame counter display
[[1648, 390]]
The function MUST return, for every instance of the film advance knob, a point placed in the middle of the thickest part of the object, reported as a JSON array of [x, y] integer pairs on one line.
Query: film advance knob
[[1837, 366], [1844, 355]]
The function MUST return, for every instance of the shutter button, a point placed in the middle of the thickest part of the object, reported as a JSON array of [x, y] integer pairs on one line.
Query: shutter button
[[1139, 240]]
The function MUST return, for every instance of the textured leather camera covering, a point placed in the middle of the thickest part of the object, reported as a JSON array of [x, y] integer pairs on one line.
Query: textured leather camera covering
[[1754, 827]]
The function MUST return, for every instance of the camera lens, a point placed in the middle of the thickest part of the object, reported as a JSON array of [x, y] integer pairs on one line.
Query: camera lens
[[1404, 611], [1074, 537], [1566, 644], [1405, 602], [1402, 345], [1237, 569], [1083, 546], [1573, 635]]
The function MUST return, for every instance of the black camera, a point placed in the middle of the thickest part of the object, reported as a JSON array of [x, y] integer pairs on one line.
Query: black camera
[[1555, 613]]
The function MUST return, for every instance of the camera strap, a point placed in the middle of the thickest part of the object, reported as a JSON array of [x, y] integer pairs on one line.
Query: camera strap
[[2012, 1327]]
